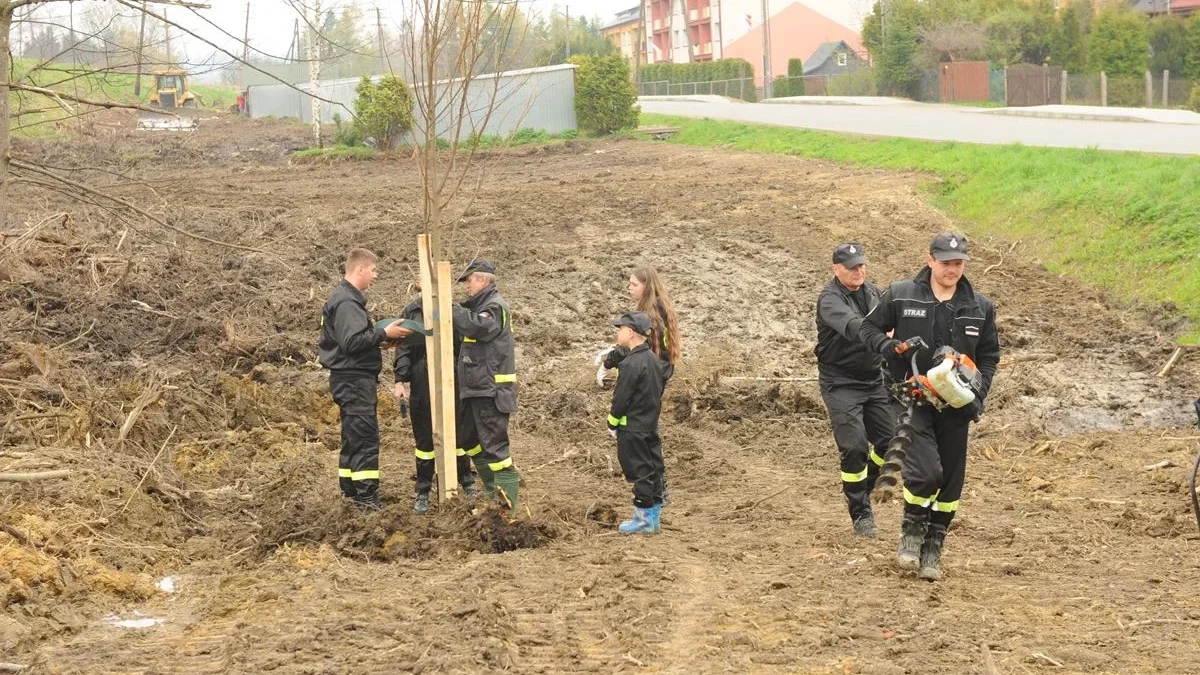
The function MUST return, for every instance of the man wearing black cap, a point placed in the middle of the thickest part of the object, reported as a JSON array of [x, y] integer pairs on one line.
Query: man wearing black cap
[[633, 420], [487, 380], [350, 348], [941, 307], [851, 382]]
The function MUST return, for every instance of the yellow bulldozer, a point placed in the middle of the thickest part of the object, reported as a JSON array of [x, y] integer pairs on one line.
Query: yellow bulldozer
[[178, 103]]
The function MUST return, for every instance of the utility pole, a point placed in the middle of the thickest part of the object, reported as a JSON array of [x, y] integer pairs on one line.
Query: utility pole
[[294, 51], [638, 41], [137, 82], [645, 35], [245, 52], [766, 45], [384, 63], [167, 30]]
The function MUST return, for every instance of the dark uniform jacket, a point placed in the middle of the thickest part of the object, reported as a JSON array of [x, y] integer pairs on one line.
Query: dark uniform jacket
[[411, 363], [349, 340], [637, 398], [486, 363], [841, 357], [969, 325]]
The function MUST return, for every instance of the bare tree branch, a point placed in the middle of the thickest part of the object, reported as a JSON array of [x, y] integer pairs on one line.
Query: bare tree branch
[[16, 4], [58, 96], [32, 168]]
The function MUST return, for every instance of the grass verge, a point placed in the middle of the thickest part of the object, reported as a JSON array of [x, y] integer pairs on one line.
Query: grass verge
[[1126, 223]]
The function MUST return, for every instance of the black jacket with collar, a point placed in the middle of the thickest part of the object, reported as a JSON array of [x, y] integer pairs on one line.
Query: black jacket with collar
[[349, 340], [908, 307], [841, 356], [637, 398], [411, 363], [487, 360]]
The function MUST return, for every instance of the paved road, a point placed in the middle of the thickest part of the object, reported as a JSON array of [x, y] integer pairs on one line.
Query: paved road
[[940, 123]]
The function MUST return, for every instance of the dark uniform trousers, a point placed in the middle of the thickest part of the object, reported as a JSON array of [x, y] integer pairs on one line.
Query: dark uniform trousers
[[936, 463], [422, 425], [641, 458], [356, 394], [483, 432], [862, 415]]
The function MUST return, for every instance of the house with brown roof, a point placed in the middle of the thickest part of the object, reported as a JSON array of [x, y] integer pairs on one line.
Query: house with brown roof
[[797, 31]]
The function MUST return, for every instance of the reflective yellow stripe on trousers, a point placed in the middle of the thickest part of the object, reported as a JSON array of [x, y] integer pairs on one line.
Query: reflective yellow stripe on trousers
[[874, 457], [423, 454], [854, 477], [501, 465], [371, 474], [946, 507], [471, 452], [923, 502]]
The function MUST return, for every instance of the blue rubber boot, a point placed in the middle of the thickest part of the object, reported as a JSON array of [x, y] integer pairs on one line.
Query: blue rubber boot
[[655, 517], [643, 522]]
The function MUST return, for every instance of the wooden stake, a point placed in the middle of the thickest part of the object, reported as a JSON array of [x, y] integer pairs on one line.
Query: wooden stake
[[448, 469], [433, 356], [1166, 370], [1175, 356]]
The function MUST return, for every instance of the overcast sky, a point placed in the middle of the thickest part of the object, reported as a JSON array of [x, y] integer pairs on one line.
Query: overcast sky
[[271, 21]]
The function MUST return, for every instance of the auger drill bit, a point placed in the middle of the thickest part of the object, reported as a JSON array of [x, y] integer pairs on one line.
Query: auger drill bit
[[887, 486]]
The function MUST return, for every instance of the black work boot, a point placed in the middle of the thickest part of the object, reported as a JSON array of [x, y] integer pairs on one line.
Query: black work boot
[[931, 553], [864, 525], [912, 536], [367, 495]]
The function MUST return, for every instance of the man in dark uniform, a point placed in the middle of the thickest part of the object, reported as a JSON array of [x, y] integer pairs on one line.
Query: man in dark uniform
[[487, 381], [851, 382], [940, 306], [411, 369], [349, 348]]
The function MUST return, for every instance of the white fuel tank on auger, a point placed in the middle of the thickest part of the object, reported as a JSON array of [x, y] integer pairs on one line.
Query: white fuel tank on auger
[[955, 379]]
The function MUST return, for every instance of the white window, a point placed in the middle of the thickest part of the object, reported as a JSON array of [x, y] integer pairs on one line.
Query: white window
[[842, 59]]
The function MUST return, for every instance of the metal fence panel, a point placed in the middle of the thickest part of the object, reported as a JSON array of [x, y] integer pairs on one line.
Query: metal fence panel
[[537, 98], [1178, 91], [1083, 89]]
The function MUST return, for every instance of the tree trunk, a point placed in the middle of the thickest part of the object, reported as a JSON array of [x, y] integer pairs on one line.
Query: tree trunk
[[5, 69], [314, 72]]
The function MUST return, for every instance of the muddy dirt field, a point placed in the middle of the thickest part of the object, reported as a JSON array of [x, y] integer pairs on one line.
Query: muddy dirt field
[[175, 379]]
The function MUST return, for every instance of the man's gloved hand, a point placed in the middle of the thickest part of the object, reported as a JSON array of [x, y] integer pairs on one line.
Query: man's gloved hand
[[598, 359], [612, 432], [974, 409], [600, 373], [889, 347]]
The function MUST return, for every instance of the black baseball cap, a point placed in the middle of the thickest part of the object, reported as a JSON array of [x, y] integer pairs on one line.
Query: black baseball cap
[[849, 255], [638, 321], [949, 246], [478, 265]]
